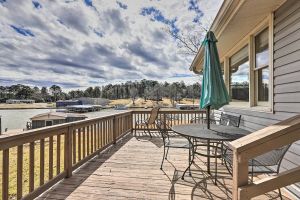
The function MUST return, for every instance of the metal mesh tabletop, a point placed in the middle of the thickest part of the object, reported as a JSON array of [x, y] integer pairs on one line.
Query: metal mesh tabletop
[[216, 132]]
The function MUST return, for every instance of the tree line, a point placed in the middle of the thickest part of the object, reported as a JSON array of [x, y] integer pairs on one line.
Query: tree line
[[147, 89]]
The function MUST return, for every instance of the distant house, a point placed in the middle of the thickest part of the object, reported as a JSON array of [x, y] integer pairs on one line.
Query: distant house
[[54, 118], [65, 103], [18, 101]]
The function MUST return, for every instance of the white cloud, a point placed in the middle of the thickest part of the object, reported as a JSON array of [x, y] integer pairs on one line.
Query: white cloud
[[79, 45]]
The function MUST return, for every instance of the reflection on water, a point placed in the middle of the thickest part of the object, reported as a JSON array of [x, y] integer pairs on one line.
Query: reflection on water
[[17, 119]]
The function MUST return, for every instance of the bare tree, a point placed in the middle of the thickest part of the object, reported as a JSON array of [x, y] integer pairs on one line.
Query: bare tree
[[133, 94], [190, 39]]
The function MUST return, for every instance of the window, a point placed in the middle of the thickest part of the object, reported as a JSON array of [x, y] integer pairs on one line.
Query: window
[[262, 68], [239, 76]]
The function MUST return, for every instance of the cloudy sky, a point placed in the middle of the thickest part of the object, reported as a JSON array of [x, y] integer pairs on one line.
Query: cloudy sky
[[81, 43]]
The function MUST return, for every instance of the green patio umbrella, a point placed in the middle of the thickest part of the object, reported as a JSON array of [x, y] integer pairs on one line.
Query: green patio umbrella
[[214, 94]]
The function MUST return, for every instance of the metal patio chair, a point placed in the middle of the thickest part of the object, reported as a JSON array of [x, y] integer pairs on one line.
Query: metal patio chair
[[169, 140], [230, 120], [268, 163], [225, 119], [148, 122]]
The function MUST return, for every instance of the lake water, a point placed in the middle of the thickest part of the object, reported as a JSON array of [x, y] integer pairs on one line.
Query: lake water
[[17, 119]]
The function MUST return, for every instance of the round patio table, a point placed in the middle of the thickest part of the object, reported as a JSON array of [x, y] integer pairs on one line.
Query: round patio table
[[216, 134]]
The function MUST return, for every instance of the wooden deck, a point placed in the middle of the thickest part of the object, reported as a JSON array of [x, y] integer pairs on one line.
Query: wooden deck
[[131, 170]]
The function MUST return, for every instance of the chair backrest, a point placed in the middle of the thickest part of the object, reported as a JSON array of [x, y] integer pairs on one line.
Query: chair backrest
[[230, 120], [153, 115], [274, 157], [200, 120], [162, 128]]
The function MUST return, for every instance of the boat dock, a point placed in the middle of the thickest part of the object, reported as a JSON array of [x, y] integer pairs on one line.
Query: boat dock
[[187, 106], [83, 108]]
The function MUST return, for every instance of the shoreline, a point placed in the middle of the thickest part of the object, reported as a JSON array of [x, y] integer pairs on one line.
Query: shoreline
[[24, 108], [4, 106]]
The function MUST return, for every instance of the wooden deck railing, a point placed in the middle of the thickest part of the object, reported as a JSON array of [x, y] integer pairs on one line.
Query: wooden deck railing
[[172, 117], [35, 160], [258, 143], [32, 162]]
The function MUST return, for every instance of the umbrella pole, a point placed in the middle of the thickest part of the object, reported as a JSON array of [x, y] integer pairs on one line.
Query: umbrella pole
[[208, 117]]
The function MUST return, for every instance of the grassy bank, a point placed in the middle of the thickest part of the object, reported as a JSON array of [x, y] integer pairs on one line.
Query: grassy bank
[[140, 102]]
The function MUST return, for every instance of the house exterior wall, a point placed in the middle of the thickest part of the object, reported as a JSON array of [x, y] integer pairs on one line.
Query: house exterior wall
[[286, 82], [41, 123]]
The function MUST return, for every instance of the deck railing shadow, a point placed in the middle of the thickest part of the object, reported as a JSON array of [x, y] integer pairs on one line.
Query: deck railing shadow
[[199, 181], [85, 171]]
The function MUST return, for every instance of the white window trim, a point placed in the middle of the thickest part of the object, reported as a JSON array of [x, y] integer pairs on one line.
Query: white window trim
[[249, 40]]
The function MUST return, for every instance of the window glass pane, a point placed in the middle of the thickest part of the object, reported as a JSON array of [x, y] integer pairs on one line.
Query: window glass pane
[[239, 76], [262, 49], [263, 84]]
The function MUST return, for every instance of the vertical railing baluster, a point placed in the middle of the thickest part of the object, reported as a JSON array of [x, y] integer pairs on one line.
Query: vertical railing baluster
[[83, 142], [58, 154], [5, 174], [95, 137], [92, 138], [98, 135], [42, 161], [74, 145], [31, 167], [101, 137], [79, 143], [20, 172], [50, 157], [88, 140]]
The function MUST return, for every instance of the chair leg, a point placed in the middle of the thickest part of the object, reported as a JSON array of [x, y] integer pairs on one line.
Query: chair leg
[[163, 158], [280, 195], [190, 162], [167, 153], [216, 163], [252, 171], [149, 131]]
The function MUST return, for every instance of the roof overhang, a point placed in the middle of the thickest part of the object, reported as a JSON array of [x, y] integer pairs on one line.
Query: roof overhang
[[235, 19]]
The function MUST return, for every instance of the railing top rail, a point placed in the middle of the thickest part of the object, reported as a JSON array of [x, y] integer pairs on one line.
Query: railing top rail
[[271, 137], [5, 139], [162, 111]]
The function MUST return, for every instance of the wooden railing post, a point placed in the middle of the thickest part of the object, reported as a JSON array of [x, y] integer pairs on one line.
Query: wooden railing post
[[240, 175], [131, 122], [68, 152]]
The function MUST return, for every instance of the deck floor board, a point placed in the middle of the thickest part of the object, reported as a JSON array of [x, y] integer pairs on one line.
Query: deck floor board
[[131, 170]]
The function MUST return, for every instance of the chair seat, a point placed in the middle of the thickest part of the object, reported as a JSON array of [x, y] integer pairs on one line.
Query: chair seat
[[254, 165], [178, 144]]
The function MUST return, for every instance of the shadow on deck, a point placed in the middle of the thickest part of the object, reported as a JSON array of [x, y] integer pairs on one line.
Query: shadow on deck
[[131, 170]]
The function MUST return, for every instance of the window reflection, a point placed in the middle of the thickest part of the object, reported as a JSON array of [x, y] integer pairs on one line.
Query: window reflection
[[262, 66], [239, 76], [262, 49], [263, 84]]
